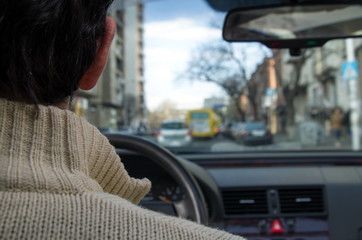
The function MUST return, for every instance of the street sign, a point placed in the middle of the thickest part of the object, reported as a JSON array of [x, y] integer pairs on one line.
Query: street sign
[[349, 71], [270, 97], [270, 92]]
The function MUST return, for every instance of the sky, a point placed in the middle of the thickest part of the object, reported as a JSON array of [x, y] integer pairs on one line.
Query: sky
[[172, 30]]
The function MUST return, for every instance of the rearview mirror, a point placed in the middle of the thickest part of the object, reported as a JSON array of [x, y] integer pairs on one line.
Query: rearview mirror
[[294, 27]]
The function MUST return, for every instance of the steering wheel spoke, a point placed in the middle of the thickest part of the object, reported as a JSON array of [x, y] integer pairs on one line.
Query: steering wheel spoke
[[182, 207]]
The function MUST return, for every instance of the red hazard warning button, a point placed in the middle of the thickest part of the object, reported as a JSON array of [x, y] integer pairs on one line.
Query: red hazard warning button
[[276, 227]]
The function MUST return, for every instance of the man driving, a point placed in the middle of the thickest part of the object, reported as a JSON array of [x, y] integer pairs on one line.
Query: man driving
[[59, 177]]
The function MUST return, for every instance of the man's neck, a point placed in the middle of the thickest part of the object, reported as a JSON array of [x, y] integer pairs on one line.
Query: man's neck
[[65, 104]]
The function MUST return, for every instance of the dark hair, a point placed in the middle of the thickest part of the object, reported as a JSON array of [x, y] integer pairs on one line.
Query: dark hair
[[46, 46]]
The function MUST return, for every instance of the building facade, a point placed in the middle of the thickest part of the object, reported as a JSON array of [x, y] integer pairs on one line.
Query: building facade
[[118, 98]]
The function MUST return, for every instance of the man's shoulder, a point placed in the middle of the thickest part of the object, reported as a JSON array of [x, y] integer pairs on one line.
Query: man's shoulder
[[95, 216], [148, 224]]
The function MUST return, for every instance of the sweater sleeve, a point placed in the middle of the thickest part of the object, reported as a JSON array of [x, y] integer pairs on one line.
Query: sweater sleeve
[[108, 170]]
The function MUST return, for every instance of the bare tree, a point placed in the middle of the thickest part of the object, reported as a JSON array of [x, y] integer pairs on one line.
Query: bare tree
[[217, 63], [291, 89]]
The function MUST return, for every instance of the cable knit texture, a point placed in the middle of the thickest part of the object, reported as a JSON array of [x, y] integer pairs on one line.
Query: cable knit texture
[[61, 179]]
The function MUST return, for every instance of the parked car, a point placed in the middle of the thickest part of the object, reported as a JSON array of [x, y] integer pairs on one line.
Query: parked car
[[237, 130], [127, 130], [154, 132], [107, 130], [122, 130], [174, 133], [233, 130], [255, 133], [142, 130]]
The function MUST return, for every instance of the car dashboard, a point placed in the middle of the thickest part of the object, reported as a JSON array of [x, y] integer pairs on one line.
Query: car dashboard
[[260, 196]]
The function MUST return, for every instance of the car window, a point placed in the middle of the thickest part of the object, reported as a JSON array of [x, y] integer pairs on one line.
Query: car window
[[252, 126], [169, 61], [173, 125]]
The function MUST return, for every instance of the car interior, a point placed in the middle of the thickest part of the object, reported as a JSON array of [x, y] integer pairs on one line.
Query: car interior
[[306, 183]]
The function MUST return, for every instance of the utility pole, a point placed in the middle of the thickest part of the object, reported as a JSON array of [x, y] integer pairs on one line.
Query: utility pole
[[353, 97]]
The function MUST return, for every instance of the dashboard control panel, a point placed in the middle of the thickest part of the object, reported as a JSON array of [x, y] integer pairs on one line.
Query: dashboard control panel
[[288, 228]]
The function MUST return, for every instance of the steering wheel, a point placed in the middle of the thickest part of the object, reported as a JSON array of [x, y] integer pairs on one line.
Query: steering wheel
[[193, 206]]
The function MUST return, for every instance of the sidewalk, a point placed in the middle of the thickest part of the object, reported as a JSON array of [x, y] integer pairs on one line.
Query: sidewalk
[[328, 143]]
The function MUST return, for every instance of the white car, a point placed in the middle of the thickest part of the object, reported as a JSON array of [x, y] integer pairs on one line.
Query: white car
[[174, 133]]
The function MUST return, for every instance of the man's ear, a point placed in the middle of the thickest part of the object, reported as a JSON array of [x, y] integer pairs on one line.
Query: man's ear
[[91, 76]]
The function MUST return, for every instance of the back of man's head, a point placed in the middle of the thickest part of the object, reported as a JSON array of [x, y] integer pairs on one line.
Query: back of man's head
[[46, 46]]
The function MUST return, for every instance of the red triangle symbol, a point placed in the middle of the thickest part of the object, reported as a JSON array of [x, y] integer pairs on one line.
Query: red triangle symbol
[[276, 227]]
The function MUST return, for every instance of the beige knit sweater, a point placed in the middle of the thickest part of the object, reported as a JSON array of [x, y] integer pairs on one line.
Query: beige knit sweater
[[61, 179]]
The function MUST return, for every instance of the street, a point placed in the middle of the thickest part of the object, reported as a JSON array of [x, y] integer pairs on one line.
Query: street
[[280, 143]]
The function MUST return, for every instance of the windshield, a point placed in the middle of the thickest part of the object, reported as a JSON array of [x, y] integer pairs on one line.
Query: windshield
[[168, 61], [199, 115]]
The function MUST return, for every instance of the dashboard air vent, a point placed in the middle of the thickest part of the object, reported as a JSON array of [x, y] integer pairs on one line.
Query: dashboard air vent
[[301, 200], [242, 202]]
